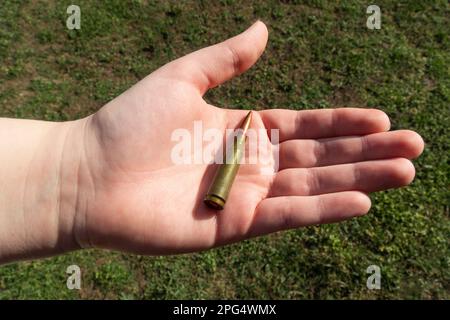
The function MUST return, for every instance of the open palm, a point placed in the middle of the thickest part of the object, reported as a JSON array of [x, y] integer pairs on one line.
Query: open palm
[[141, 201]]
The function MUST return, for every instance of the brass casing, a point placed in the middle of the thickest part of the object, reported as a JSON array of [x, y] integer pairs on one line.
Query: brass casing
[[223, 180]]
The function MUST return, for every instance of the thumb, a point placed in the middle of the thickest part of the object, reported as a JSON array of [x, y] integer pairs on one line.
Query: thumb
[[211, 66]]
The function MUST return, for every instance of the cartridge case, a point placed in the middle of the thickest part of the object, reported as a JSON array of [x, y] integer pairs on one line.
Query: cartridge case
[[223, 180]]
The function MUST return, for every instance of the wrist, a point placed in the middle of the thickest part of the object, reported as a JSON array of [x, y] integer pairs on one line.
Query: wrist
[[40, 207], [76, 186]]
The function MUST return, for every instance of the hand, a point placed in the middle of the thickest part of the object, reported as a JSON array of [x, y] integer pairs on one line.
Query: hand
[[131, 196], [109, 180]]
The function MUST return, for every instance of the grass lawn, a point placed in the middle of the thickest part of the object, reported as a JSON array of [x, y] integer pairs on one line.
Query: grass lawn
[[320, 54]]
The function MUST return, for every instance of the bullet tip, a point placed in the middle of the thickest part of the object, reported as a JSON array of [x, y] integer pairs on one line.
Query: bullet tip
[[247, 120]]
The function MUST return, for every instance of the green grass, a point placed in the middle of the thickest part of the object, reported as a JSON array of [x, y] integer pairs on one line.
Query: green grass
[[320, 54]]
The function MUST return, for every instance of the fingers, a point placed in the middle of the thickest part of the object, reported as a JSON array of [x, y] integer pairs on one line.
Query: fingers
[[369, 176], [280, 213], [324, 123], [317, 153], [211, 66]]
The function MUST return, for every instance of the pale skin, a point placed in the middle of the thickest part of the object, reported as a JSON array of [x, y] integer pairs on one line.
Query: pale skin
[[108, 180]]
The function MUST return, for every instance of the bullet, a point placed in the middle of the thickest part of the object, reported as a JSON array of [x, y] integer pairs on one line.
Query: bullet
[[223, 180]]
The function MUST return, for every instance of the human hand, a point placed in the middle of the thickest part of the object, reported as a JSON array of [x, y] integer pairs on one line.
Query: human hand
[[109, 180], [133, 197]]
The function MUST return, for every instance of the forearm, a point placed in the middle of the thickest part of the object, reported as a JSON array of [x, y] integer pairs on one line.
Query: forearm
[[40, 163]]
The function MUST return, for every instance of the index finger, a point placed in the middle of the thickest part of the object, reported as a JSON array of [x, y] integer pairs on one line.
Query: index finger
[[324, 123]]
